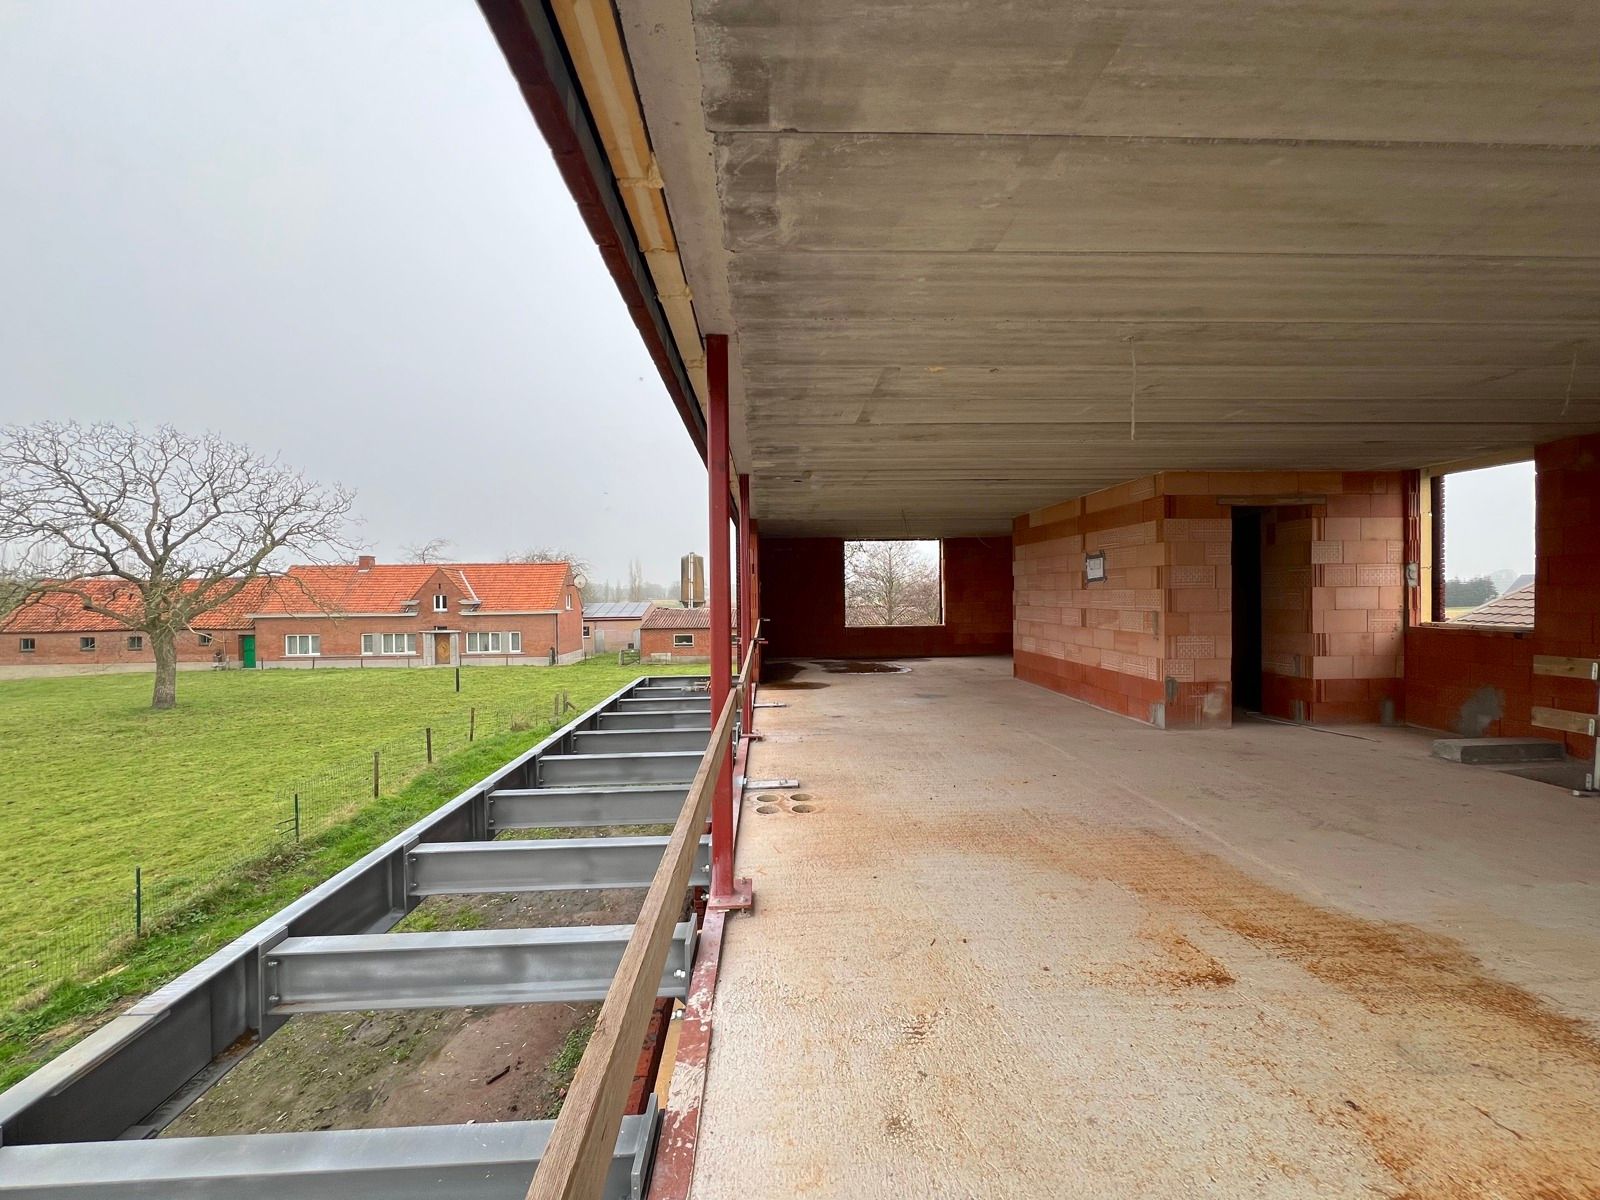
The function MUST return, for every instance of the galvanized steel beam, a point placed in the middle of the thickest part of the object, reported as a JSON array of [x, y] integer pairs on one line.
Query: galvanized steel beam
[[543, 865], [673, 766], [658, 718], [456, 970], [585, 807], [634, 741], [493, 1161]]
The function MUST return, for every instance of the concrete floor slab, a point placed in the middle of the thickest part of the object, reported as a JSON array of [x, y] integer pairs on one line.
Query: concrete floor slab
[[1023, 948]]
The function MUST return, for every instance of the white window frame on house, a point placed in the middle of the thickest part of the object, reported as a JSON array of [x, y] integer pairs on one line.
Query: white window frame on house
[[441, 602], [292, 643], [586, 632], [388, 644], [27, 645], [205, 639], [569, 601], [494, 642], [86, 644], [682, 640], [136, 641]]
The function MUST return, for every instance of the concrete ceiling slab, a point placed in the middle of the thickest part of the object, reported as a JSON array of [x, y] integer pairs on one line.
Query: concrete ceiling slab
[[979, 258]]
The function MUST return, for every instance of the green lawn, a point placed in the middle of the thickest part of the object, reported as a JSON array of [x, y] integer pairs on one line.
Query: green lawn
[[95, 783]]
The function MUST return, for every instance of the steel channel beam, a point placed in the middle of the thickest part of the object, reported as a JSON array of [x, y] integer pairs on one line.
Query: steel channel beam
[[672, 766], [457, 970], [649, 691], [178, 1039], [634, 741], [585, 807], [492, 1161], [663, 703], [544, 865], [657, 718]]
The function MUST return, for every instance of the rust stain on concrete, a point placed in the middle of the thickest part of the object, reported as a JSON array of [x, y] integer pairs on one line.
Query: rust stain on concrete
[[1462, 1084]]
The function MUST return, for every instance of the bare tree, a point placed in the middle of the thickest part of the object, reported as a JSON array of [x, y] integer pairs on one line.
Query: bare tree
[[434, 550], [182, 524], [636, 582], [891, 583]]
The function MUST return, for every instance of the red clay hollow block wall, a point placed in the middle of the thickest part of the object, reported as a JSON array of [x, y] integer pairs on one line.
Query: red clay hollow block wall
[[1154, 639], [1480, 682], [802, 603]]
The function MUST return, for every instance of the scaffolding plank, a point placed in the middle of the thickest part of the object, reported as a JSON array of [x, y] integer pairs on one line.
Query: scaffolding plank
[[546, 865], [492, 1161], [456, 970], [585, 807]]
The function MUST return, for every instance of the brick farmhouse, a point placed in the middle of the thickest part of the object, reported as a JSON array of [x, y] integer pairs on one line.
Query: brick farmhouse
[[364, 614], [56, 633], [422, 614], [681, 634]]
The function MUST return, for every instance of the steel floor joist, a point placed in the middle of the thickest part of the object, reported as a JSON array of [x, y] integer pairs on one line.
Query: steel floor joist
[[544, 865], [665, 703], [670, 766], [493, 1161], [639, 741], [457, 970], [585, 807], [658, 718]]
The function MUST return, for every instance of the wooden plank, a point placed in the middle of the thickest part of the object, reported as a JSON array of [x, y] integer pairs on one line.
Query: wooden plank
[[579, 1154], [1567, 668], [1557, 718]]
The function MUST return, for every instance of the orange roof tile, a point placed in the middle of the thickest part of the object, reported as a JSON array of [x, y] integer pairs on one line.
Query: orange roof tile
[[677, 618], [63, 612], [386, 587]]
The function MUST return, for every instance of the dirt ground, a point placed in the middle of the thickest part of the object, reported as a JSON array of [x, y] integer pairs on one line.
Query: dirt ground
[[424, 1067]]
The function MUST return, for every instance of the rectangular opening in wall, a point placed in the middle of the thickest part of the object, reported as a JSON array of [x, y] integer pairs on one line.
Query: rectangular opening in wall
[[893, 583], [1483, 568]]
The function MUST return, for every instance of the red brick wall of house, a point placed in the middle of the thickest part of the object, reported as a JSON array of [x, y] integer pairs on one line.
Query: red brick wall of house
[[111, 649], [341, 636], [659, 641], [1480, 682], [802, 603], [1154, 639]]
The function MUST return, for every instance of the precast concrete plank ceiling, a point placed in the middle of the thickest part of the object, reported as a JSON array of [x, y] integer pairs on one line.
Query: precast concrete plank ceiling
[[980, 257]]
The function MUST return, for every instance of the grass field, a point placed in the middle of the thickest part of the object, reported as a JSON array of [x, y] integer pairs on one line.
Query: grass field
[[97, 784]]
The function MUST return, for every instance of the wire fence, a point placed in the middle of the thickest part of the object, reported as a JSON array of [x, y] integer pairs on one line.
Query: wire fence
[[99, 937]]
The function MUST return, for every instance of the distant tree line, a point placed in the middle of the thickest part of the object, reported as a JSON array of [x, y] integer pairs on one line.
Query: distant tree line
[[1469, 593]]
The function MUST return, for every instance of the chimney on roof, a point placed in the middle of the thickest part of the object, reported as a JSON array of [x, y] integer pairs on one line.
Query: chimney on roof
[[366, 562]]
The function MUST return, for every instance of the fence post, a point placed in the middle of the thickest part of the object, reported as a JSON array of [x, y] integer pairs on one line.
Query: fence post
[[472, 723], [138, 902], [297, 816], [458, 679], [375, 754], [428, 735]]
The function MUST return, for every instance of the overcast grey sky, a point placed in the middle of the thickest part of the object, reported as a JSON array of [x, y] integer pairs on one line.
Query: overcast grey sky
[[329, 229]]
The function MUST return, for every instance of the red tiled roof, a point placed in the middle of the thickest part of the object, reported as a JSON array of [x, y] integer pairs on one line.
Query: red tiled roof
[[63, 612], [677, 618], [1514, 610], [385, 587]]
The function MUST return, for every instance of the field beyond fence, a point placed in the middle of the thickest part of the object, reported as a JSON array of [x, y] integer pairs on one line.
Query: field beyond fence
[[123, 819]]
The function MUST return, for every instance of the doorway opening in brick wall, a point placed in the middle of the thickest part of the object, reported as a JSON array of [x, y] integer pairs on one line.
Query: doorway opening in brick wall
[[1248, 635]]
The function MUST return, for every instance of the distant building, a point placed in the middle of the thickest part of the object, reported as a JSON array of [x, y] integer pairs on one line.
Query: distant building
[[56, 634], [613, 625], [678, 634], [422, 615]]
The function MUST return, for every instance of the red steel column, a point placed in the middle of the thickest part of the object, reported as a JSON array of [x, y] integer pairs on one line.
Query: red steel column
[[747, 623], [725, 892]]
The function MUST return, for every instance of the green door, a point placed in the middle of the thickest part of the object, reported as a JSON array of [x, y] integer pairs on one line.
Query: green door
[[247, 649]]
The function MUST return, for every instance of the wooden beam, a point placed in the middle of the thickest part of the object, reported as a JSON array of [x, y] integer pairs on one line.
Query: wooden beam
[[1566, 668], [579, 1153], [1560, 718]]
